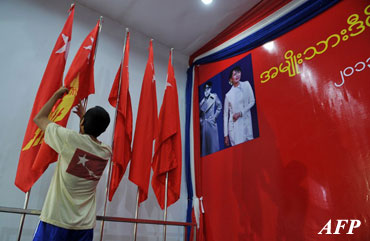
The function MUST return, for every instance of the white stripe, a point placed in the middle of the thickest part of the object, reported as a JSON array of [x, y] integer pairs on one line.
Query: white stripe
[[261, 24], [191, 150]]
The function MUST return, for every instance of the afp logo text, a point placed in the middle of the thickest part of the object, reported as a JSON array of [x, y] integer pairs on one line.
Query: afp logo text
[[341, 224]]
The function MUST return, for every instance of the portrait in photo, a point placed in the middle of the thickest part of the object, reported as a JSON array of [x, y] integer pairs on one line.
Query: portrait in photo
[[210, 108], [227, 108]]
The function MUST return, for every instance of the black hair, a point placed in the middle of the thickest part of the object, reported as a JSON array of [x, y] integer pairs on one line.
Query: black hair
[[209, 83], [237, 69], [96, 120]]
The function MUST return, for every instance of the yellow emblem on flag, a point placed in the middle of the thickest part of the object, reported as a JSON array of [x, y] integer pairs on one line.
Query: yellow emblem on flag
[[58, 114]]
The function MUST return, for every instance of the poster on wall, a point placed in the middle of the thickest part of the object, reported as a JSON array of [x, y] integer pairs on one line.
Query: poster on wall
[[227, 108], [304, 163]]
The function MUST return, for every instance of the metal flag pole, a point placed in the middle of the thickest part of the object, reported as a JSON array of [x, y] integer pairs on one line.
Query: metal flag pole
[[166, 183], [136, 213], [21, 223], [101, 20], [114, 127], [165, 207]]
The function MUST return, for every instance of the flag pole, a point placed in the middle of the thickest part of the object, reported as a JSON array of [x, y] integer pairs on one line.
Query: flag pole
[[165, 207], [101, 20], [23, 216], [114, 127], [136, 213], [166, 184]]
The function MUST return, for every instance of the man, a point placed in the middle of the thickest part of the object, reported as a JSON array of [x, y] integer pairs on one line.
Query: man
[[237, 110], [210, 107], [69, 211]]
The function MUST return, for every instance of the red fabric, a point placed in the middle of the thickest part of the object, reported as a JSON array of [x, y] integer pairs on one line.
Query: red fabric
[[262, 10], [310, 163], [119, 97], [51, 81], [201, 234], [80, 82], [167, 156], [145, 131], [82, 67]]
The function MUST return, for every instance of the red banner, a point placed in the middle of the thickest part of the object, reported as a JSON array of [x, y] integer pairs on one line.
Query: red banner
[[304, 168]]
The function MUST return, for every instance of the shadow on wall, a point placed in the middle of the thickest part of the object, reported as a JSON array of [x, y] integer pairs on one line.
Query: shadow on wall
[[272, 197]]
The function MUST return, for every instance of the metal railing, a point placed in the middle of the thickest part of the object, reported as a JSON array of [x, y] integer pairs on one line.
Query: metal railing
[[36, 212]]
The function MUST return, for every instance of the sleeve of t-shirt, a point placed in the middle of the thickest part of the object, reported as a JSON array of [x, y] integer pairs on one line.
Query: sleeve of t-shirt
[[56, 136]]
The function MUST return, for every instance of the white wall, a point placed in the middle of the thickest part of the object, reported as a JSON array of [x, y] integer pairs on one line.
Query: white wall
[[29, 30]]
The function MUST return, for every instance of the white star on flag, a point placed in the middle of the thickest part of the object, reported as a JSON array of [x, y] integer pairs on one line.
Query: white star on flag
[[89, 47], [65, 47], [168, 84], [83, 160]]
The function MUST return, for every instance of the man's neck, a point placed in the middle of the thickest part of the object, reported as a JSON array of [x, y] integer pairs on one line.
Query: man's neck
[[95, 139]]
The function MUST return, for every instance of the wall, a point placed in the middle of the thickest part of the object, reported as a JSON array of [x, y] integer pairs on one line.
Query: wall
[[29, 31]]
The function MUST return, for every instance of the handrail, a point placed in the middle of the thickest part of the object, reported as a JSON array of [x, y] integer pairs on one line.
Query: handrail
[[105, 218]]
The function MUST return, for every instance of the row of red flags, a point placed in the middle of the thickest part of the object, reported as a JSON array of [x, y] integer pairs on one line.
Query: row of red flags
[[35, 155]]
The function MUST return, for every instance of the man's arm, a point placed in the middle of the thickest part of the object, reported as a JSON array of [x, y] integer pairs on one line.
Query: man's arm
[[41, 119]]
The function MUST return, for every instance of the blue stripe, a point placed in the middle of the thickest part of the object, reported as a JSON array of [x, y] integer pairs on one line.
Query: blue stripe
[[282, 25], [189, 184]]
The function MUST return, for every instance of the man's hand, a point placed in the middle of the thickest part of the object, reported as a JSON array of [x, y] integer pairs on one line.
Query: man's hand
[[226, 140], [80, 109], [236, 116], [60, 92]]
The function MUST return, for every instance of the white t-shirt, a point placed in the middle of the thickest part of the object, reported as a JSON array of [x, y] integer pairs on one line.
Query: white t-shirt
[[70, 201]]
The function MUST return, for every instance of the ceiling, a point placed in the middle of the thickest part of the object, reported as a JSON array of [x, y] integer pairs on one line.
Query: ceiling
[[185, 25]]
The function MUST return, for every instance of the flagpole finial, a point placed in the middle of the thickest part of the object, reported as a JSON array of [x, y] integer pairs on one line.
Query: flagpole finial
[[72, 7], [171, 55], [127, 30], [101, 20]]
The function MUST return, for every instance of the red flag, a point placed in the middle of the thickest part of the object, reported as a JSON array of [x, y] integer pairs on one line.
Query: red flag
[[167, 156], [119, 97], [145, 131], [80, 82], [51, 81]]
